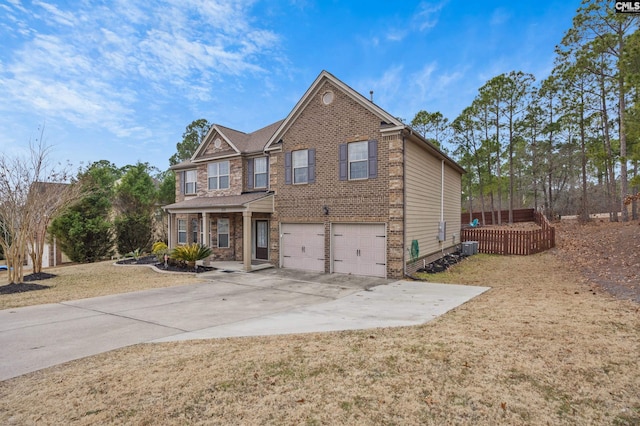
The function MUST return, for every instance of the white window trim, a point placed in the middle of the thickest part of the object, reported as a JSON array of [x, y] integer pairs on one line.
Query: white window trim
[[266, 172], [293, 167], [182, 231], [218, 175], [228, 234], [194, 230], [187, 182], [365, 160]]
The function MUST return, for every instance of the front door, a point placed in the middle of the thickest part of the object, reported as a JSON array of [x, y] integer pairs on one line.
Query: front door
[[262, 239]]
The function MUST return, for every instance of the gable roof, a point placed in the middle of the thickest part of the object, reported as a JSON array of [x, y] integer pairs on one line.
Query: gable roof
[[312, 90], [267, 137], [240, 142]]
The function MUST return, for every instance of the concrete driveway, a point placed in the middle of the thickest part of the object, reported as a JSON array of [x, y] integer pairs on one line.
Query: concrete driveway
[[227, 305]]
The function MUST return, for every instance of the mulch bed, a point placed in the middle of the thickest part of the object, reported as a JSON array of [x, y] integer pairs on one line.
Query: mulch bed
[[25, 286], [38, 277], [152, 260], [21, 288]]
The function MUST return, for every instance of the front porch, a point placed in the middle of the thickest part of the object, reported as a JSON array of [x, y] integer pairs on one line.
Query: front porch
[[236, 228]]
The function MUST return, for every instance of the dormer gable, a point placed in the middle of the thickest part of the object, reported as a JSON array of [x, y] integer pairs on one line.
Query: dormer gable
[[217, 144], [224, 142]]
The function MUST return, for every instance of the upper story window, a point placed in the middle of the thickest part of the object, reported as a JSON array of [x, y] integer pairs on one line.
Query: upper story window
[[260, 174], [300, 166], [190, 181], [358, 160], [218, 175]]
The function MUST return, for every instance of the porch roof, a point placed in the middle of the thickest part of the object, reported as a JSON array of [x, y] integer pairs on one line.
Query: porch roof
[[253, 201]]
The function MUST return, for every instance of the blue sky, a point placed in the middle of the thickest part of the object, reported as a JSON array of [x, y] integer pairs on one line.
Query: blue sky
[[120, 80]]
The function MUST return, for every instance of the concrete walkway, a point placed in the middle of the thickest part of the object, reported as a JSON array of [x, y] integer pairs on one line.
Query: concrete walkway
[[231, 304]]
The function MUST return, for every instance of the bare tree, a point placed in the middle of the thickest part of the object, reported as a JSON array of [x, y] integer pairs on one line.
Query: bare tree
[[31, 195], [45, 201]]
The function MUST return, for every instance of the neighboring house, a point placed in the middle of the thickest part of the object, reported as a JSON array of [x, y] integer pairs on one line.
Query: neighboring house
[[339, 185], [46, 197], [52, 255]]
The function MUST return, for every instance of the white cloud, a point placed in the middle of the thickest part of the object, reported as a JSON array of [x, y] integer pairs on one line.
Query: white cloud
[[426, 17], [396, 34], [499, 17], [386, 88], [94, 66], [404, 93], [55, 14]]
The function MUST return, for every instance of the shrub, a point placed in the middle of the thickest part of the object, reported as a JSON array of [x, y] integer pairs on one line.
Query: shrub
[[133, 232], [191, 253], [160, 249], [135, 254]]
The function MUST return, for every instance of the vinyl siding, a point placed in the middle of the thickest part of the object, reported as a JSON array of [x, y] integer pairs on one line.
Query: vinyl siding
[[452, 204], [423, 188], [265, 205]]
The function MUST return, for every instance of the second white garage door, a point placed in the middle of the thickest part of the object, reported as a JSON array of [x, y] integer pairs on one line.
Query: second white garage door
[[360, 249], [303, 246]]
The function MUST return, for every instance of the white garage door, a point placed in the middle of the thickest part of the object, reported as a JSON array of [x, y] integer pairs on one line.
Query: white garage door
[[360, 249], [303, 246]]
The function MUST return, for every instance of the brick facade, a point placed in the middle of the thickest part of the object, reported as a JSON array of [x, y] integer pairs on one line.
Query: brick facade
[[323, 126]]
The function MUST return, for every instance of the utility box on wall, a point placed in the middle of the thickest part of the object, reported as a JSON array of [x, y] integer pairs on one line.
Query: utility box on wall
[[442, 231]]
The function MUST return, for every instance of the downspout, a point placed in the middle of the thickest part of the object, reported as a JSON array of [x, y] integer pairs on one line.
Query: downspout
[[444, 239], [273, 209]]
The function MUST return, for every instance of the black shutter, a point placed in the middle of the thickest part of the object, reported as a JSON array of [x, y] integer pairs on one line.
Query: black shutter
[[343, 162], [287, 168], [373, 159], [311, 164], [250, 173], [183, 182]]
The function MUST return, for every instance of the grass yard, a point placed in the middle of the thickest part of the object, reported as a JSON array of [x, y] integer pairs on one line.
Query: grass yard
[[544, 346], [92, 280]]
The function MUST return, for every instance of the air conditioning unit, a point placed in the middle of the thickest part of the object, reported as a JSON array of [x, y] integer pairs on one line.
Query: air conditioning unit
[[469, 248]]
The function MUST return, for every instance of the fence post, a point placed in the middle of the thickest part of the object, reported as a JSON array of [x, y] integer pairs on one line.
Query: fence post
[[505, 243]]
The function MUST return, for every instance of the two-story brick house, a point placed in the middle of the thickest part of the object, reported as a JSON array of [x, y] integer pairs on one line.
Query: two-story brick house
[[339, 185]]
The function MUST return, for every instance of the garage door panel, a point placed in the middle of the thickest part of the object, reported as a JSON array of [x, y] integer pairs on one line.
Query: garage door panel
[[303, 246], [359, 249]]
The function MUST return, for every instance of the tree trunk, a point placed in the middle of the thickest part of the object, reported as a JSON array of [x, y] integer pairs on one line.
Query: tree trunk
[[493, 209], [584, 210], [634, 202], [613, 214], [624, 190]]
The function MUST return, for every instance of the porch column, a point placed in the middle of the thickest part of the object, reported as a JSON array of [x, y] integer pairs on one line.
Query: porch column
[[246, 240], [169, 237], [205, 235]]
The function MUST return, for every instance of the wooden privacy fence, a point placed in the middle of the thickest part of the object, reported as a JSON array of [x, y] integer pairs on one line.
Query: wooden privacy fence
[[519, 215], [505, 242]]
